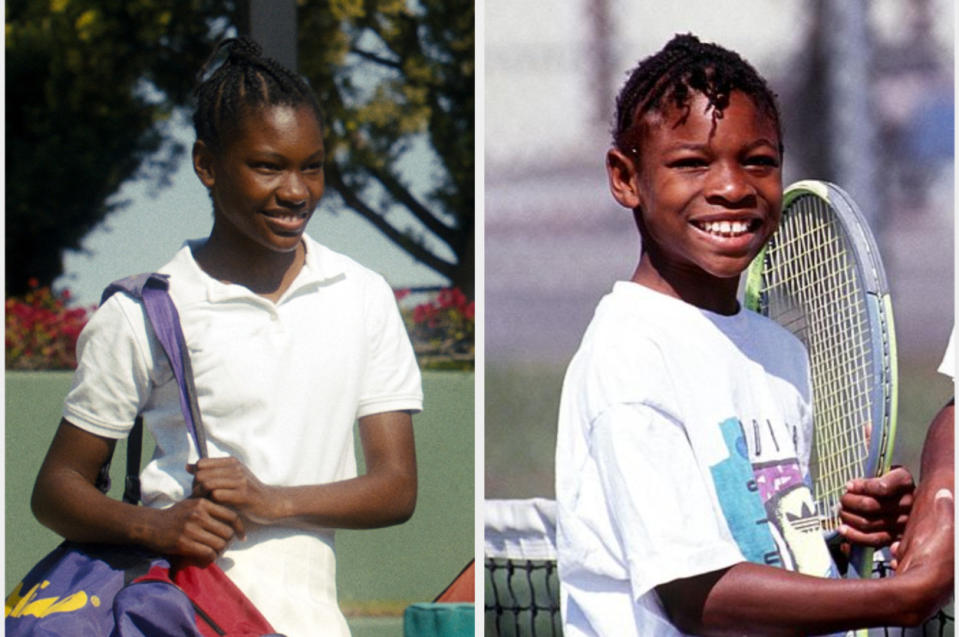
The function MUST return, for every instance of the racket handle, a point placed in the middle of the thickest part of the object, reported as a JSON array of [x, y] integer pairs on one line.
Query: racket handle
[[860, 560]]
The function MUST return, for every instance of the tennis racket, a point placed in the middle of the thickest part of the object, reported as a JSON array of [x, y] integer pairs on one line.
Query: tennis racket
[[820, 277]]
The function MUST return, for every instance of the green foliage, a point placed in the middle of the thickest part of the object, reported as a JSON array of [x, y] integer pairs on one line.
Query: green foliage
[[390, 73], [91, 86]]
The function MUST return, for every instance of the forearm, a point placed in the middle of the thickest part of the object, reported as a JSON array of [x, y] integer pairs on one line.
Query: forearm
[[69, 504], [385, 495], [772, 601], [368, 501]]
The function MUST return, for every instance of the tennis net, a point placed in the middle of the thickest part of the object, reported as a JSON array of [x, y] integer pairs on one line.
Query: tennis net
[[522, 584]]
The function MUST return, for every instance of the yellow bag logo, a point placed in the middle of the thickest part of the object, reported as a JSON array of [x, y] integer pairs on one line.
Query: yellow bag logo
[[19, 606]]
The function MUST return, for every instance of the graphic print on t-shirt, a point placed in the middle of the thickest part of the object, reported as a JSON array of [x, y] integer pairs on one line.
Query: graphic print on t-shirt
[[767, 506], [742, 508]]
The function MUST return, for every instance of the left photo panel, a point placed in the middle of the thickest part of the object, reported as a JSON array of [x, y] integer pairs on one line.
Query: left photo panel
[[240, 300]]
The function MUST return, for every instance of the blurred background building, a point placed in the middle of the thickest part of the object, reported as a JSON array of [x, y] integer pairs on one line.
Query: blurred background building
[[866, 90]]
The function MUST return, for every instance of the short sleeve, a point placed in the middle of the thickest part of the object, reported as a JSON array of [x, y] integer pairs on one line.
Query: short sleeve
[[112, 381], [391, 379], [948, 364], [660, 505]]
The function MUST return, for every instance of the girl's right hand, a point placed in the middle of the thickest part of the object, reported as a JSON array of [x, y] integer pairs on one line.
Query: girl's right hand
[[197, 529]]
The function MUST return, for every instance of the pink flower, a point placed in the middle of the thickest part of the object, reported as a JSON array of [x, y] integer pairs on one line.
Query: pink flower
[[41, 332], [451, 298], [423, 312], [445, 298]]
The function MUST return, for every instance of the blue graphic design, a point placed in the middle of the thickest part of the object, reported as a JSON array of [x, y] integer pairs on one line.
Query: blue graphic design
[[739, 498]]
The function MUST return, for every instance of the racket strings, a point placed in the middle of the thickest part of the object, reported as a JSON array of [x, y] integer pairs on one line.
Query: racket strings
[[837, 451], [812, 286]]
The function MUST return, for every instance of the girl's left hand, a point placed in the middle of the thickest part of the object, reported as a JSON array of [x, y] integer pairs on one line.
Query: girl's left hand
[[229, 482]]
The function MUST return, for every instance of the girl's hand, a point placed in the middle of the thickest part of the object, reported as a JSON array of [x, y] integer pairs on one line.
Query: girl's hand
[[228, 482], [875, 510], [197, 529]]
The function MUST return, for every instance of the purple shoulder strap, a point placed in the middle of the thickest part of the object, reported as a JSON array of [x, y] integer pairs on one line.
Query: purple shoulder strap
[[151, 289]]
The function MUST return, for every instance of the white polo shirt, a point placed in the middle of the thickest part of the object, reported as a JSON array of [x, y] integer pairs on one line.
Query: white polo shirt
[[279, 386]]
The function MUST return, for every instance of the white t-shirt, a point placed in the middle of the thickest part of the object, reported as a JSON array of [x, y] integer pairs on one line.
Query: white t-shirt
[[279, 386], [948, 364], [683, 448]]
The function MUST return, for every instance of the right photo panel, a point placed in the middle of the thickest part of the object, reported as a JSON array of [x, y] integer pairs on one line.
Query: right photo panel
[[719, 314]]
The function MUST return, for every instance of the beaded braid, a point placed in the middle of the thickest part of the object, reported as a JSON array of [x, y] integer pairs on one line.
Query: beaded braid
[[683, 66], [243, 83]]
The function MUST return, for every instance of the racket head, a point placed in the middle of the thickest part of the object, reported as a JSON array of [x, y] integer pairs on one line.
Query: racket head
[[820, 276]]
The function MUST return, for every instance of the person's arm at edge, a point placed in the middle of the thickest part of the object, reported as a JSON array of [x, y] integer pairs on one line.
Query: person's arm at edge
[[383, 496], [936, 472], [938, 452]]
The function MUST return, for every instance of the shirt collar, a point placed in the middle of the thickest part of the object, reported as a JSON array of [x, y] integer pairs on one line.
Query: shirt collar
[[319, 268]]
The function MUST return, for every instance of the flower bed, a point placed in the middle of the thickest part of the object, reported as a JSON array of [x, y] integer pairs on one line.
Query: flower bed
[[41, 331], [442, 329]]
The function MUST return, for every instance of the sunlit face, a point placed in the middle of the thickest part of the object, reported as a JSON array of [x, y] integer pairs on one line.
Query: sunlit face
[[268, 178], [709, 189]]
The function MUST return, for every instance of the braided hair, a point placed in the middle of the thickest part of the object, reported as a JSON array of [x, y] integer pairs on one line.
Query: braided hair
[[245, 82], [686, 65]]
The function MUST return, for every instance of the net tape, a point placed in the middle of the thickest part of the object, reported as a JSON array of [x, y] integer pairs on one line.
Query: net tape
[[522, 581]]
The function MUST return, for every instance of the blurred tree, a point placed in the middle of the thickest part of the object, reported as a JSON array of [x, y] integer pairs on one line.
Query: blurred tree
[[92, 85], [390, 75], [90, 88]]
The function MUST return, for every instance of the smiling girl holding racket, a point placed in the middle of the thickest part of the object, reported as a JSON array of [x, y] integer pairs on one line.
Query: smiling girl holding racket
[[685, 425], [290, 344]]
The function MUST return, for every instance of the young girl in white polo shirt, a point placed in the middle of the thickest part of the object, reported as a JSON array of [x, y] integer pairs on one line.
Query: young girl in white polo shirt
[[291, 343]]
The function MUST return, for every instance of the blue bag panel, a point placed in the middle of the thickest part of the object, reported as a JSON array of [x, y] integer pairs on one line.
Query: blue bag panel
[[154, 609], [70, 592], [57, 626]]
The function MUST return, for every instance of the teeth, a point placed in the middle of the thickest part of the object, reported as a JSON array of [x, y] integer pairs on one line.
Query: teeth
[[725, 228], [287, 217]]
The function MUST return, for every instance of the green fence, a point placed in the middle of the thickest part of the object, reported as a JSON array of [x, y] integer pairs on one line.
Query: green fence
[[379, 571]]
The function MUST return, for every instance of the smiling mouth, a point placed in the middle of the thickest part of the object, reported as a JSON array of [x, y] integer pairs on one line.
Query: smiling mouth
[[287, 215], [287, 221], [728, 228]]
